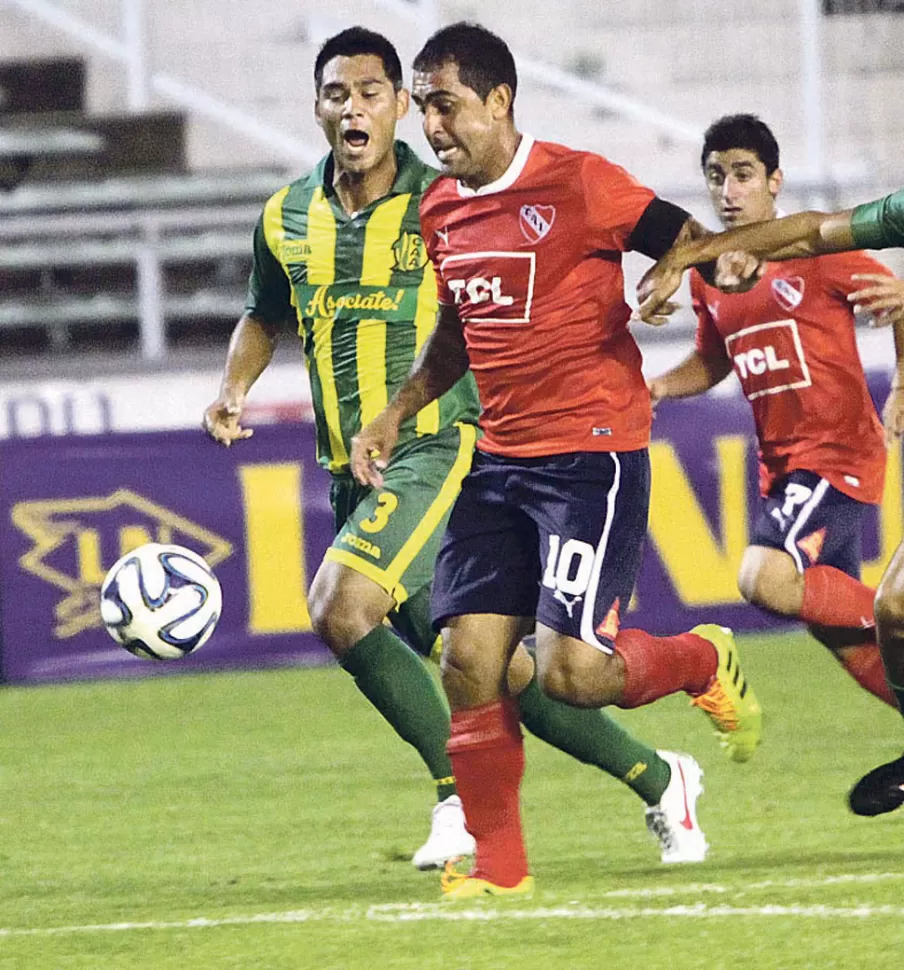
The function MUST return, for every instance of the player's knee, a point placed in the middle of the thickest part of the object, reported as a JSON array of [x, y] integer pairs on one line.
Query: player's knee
[[768, 578], [589, 680], [328, 622], [469, 678], [339, 622]]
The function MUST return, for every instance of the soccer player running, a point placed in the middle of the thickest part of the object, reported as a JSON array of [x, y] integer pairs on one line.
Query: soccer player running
[[791, 341], [343, 246], [526, 237], [873, 225]]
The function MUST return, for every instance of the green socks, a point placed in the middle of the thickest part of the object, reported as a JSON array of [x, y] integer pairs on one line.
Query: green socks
[[398, 684], [394, 679], [596, 739]]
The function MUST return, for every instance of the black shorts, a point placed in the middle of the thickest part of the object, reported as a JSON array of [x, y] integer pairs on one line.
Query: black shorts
[[557, 538], [806, 517]]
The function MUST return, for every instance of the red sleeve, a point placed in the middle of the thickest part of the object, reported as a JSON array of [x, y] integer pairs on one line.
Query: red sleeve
[[708, 340], [836, 272], [428, 232], [615, 202]]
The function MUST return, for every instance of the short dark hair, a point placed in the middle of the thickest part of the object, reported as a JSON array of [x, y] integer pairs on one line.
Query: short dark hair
[[355, 41], [741, 131], [484, 60]]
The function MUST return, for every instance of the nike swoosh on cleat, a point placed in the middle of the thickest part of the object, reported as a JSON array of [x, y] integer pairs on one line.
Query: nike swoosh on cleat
[[686, 822]]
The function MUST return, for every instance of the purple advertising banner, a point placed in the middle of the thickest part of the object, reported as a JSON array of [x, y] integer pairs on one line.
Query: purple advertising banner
[[259, 513]]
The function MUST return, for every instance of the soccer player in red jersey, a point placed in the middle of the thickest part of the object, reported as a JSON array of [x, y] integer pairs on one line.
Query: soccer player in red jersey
[[527, 239], [878, 224], [790, 340]]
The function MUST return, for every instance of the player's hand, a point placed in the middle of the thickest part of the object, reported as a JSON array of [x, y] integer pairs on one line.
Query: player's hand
[[653, 291], [882, 297], [371, 448], [893, 414], [737, 272], [657, 392], [222, 422]]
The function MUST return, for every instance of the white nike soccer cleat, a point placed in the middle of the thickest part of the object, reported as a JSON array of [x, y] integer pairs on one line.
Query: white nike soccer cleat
[[449, 839], [673, 821]]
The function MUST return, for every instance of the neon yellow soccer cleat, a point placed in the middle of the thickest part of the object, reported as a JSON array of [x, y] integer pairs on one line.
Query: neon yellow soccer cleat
[[459, 885], [730, 702]]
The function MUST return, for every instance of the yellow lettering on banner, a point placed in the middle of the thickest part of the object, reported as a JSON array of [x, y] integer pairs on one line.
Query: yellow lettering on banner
[[90, 566], [133, 536], [274, 534], [703, 567], [891, 519]]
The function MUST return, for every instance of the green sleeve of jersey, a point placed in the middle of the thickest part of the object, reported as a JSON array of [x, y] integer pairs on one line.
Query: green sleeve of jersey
[[879, 224], [269, 293]]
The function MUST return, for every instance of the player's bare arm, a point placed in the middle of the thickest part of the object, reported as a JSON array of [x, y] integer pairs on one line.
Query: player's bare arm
[[441, 363], [792, 237], [689, 232], [694, 375], [250, 351]]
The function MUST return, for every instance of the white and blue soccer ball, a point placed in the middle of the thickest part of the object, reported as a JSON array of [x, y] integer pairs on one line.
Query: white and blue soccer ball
[[160, 602]]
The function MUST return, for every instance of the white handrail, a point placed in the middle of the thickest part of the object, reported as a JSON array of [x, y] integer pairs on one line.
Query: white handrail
[[591, 92], [294, 150], [604, 97]]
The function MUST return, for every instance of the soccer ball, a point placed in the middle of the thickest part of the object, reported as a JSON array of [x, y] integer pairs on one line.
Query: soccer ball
[[160, 602]]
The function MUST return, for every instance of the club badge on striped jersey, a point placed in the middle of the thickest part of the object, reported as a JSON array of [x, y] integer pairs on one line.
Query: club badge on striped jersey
[[409, 252], [536, 221]]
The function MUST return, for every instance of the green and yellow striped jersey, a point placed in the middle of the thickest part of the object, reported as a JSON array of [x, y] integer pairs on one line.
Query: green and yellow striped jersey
[[364, 294]]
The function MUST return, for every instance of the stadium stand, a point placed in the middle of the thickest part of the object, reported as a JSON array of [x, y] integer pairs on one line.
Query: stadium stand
[[114, 202], [90, 198]]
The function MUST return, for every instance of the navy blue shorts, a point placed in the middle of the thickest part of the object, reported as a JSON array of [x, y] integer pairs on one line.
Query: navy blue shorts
[[806, 517], [557, 538]]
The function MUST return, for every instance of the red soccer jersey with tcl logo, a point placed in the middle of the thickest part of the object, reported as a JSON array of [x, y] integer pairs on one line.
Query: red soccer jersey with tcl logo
[[791, 342], [533, 264]]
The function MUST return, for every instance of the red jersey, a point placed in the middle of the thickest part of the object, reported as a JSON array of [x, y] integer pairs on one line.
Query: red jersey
[[533, 264], [791, 342]]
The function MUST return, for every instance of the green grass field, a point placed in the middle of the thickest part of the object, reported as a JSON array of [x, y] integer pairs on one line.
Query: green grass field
[[265, 820]]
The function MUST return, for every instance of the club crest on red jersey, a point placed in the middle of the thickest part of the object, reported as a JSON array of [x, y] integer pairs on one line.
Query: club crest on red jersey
[[788, 292], [536, 221]]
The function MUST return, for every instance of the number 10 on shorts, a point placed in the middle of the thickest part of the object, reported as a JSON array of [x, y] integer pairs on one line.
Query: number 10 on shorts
[[569, 566]]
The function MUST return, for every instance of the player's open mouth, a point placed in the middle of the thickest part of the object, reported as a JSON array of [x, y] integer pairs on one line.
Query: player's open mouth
[[444, 154], [356, 139]]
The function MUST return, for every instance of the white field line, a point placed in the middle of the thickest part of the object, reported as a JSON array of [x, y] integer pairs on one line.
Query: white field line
[[506, 912]]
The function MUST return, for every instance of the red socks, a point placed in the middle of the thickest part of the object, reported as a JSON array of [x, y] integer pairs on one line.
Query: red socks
[[656, 666], [864, 664], [832, 598], [487, 754]]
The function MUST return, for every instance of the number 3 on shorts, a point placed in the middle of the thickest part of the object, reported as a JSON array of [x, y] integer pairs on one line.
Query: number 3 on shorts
[[387, 503]]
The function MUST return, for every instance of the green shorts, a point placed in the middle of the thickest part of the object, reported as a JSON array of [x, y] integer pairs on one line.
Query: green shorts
[[392, 534]]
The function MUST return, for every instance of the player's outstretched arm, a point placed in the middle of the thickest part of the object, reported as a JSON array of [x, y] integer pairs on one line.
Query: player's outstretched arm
[[442, 362], [250, 351], [803, 234]]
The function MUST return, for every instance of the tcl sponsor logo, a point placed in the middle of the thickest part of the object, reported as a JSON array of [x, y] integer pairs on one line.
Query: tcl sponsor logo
[[769, 358], [491, 287], [479, 290], [758, 361]]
